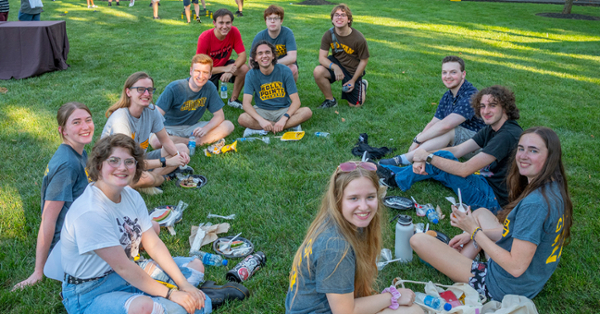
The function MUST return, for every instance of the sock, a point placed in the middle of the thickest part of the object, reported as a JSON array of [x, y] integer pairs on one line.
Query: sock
[[404, 160]]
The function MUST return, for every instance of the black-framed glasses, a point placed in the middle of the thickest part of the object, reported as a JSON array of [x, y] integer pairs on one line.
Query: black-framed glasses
[[115, 162], [142, 90]]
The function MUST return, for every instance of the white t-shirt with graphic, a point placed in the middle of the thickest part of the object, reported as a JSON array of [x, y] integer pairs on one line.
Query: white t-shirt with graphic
[[95, 222]]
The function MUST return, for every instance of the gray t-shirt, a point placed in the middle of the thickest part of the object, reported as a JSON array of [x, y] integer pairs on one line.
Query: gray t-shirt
[[332, 268], [271, 92], [283, 43], [530, 221], [182, 106], [151, 121], [64, 180]]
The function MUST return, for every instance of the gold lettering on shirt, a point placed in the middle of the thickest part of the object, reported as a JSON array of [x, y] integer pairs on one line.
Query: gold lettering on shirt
[[347, 49], [271, 90], [506, 227], [281, 51], [192, 105], [144, 144]]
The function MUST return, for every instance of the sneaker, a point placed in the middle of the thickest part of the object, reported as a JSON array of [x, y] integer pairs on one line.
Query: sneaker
[[94, 6], [239, 13], [394, 161], [131, 3], [150, 190], [328, 104], [249, 132], [110, 4], [156, 17], [198, 19], [366, 84], [118, 3], [235, 104], [387, 176]]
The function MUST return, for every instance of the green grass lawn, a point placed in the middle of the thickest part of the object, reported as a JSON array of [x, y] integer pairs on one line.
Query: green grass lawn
[[551, 64]]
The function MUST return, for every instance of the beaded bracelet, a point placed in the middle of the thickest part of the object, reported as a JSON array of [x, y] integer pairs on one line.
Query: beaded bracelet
[[473, 237], [395, 296]]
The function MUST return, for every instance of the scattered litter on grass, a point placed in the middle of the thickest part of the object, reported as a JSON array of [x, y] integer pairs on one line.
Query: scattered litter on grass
[[439, 212], [230, 217]]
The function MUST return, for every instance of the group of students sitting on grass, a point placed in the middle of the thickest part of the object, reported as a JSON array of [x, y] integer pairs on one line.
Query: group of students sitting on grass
[[521, 217]]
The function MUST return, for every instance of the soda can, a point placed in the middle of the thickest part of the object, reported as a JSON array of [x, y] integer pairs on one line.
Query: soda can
[[246, 268]]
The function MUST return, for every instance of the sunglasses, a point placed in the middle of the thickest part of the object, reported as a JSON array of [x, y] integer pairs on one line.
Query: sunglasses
[[142, 90], [351, 166]]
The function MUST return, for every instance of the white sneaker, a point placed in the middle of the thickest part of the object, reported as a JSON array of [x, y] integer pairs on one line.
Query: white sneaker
[[94, 6], [131, 3], [249, 132], [235, 104], [150, 190]]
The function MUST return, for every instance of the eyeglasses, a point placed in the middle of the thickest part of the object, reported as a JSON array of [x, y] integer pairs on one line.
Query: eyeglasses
[[339, 15], [351, 166], [273, 19], [115, 162], [142, 90]]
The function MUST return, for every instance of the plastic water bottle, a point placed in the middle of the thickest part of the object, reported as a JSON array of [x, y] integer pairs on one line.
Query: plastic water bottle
[[322, 134], [211, 259], [432, 215], [192, 145], [404, 230], [435, 303], [223, 90]]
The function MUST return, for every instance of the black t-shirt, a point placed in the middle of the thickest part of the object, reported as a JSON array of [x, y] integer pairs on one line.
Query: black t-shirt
[[500, 144]]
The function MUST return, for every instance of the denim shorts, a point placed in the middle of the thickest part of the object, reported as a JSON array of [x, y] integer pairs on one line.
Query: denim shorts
[[110, 293]]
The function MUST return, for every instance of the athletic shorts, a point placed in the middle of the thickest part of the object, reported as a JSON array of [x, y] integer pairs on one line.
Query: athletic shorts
[[271, 115], [215, 78], [155, 154], [184, 130], [355, 96], [187, 2], [479, 271]]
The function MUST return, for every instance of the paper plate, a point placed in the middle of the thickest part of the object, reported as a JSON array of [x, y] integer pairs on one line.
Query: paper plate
[[226, 239], [198, 179], [292, 136], [160, 210], [398, 202]]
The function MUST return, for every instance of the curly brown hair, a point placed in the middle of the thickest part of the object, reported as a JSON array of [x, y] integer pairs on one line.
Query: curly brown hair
[[104, 148], [502, 95], [345, 9]]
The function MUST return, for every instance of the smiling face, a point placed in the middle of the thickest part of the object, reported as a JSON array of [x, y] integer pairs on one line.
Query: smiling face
[[274, 22], [140, 99], [492, 112], [340, 18], [264, 56], [452, 76], [121, 175], [222, 26], [79, 129], [359, 202], [531, 155], [200, 73]]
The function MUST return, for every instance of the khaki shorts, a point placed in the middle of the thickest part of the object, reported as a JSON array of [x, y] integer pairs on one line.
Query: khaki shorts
[[184, 130], [271, 115]]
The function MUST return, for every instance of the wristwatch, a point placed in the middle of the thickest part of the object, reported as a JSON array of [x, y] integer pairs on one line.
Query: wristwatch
[[429, 158], [286, 115], [163, 161], [417, 142]]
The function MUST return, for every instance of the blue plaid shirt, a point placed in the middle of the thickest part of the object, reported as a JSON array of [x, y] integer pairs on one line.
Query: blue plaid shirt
[[461, 105]]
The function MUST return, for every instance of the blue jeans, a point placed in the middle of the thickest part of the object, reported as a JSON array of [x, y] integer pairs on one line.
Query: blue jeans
[[28, 17], [475, 189], [110, 293]]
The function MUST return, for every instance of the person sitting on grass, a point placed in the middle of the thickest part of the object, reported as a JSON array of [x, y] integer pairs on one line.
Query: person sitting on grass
[[497, 140], [135, 116], [281, 37], [64, 180], [277, 102], [523, 245], [184, 102], [454, 121], [334, 268], [218, 43], [347, 63], [102, 233]]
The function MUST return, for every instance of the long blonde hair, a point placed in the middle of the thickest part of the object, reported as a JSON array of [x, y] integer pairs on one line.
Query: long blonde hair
[[366, 244], [124, 101]]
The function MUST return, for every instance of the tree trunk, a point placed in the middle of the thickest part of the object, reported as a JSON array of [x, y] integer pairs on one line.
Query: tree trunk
[[567, 7]]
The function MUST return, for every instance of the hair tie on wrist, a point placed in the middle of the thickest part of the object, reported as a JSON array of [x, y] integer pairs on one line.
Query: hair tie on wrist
[[395, 296], [330, 65]]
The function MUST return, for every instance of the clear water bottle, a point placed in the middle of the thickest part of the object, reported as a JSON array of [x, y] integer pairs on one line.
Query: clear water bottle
[[432, 215], [192, 145], [435, 303], [322, 134], [404, 230], [223, 90], [210, 259]]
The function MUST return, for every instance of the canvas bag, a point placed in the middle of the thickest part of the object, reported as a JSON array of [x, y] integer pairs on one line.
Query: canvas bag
[[474, 302]]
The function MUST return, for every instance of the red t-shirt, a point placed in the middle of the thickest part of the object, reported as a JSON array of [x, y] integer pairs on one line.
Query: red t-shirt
[[220, 50]]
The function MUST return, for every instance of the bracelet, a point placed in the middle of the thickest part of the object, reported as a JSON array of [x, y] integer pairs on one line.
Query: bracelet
[[168, 297], [163, 161], [330, 65], [177, 153], [417, 142], [395, 296], [473, 237]]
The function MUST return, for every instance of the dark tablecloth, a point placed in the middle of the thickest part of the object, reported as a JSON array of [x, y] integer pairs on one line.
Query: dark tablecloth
[[32, 48]]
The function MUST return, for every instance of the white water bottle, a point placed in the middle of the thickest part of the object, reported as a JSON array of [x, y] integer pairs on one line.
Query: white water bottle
[[404, 230], [223, 90]]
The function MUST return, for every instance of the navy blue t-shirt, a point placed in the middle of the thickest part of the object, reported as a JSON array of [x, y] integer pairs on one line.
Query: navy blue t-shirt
[[271, 92], [461, 105], [283, 43], [64, 180], [183, 106]]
